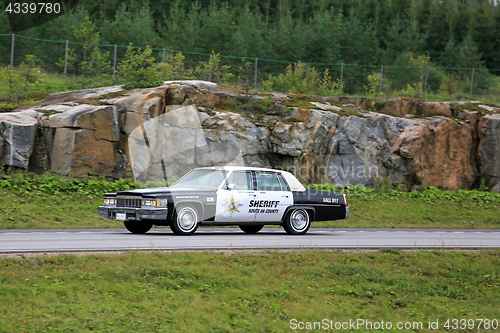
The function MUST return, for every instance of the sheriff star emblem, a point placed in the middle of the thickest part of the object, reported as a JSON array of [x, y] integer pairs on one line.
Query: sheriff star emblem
[[232, 206]]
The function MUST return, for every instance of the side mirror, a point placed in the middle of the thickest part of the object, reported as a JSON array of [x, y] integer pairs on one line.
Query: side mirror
[[230, 186]]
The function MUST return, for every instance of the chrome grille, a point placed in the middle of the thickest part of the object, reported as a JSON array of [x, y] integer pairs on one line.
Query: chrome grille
[[128, 202]]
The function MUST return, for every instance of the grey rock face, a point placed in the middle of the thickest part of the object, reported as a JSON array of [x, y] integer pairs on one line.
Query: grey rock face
[[17, 132], [163, 132], [82, 140], [363, 150], [489, 150]]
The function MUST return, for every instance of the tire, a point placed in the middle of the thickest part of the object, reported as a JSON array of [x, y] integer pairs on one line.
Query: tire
[[185, 220], [297, 222], [139, 227], [251, 229]]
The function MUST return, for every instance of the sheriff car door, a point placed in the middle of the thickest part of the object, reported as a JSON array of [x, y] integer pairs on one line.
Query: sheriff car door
[[233, 199], [272, 197]]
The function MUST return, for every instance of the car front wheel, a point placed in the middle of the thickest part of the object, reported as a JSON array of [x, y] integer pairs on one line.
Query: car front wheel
[[297, 222], [251, 229], [138, 227], [185, 221]]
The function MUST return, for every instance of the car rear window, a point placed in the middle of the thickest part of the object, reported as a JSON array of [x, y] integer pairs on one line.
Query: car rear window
[[284, 185], [267, 181]]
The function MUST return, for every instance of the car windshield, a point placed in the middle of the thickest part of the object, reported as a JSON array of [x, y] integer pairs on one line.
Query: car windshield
[[208, 178]]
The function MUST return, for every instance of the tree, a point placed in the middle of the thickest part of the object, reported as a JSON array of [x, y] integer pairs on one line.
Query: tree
[[89, 61], [130, 26], [29, 70], [13, 85], [174, 69], [402, 37], [246, 77], [137, 70], [214, 71]]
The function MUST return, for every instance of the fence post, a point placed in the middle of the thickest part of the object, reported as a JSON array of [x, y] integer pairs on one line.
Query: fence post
[[114, 64], [341, 75], [381, 75], [471, 84], [12, 51], [210, 67], [66, 58], [256, 67], [163, 59], [426, 78]]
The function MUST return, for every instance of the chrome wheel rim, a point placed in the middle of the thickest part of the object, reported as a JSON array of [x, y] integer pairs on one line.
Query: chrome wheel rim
[[299, 220], [187, 219]]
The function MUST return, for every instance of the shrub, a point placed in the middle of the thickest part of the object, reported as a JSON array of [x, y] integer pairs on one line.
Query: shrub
[[214, 71], [137, 70], [174, 69], [303, 79], [91, 63]]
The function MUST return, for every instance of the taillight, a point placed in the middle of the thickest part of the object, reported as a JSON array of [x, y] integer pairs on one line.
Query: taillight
[[345, 199]]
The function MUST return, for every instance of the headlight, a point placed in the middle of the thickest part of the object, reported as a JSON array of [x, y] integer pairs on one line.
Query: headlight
[[154, 203], [109, 202]]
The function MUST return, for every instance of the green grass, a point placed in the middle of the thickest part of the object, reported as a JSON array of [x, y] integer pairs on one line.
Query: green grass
[[29, 201], [259, 291], [39, 210], [46, 84], [407, 212], [427, 208], [48, 201]]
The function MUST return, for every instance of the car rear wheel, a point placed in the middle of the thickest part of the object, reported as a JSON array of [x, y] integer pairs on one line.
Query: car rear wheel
[[138, 227], [297, 222], [251, 229], [185, 221]]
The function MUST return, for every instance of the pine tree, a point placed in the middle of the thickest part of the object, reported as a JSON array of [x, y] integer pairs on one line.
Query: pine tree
[[90, 62]]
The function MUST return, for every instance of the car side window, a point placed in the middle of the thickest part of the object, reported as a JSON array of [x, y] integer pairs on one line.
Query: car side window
[[284, 185], [241, 181], [267, 181]]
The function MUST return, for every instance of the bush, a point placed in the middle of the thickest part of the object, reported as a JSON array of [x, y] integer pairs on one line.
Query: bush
[[174, 69], [137, 70], [55, 184], [91, 63], [213, 71], [303, 79]]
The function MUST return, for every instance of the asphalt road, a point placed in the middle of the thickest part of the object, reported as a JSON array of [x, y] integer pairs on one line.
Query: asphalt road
[[26, 241]]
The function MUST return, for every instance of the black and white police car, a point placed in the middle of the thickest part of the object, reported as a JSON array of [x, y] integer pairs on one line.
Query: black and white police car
[[247, 197]]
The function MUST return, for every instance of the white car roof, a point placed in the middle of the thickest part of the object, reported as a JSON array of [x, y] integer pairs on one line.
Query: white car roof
[[293, 182]]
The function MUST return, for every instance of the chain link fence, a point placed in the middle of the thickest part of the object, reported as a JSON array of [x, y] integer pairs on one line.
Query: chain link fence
[[367, 80]]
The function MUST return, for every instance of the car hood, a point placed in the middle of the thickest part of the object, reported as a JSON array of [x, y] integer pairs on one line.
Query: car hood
[[160, 191]]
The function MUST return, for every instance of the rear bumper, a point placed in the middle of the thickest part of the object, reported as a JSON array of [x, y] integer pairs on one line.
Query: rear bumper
[[133, 214], [347, 212]]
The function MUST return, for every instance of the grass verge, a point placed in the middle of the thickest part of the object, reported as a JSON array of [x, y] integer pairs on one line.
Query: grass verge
[[260, 291], [403, 211], [51, 202], [39, 210]]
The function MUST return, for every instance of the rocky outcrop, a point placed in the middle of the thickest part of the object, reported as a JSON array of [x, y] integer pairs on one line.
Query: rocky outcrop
[[400, 107], [17, 137], [489, 150], [80, 141], [438, 151], [162, 132]]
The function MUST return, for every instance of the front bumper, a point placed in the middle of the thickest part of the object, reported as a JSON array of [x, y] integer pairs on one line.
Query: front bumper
[[133, 214]]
